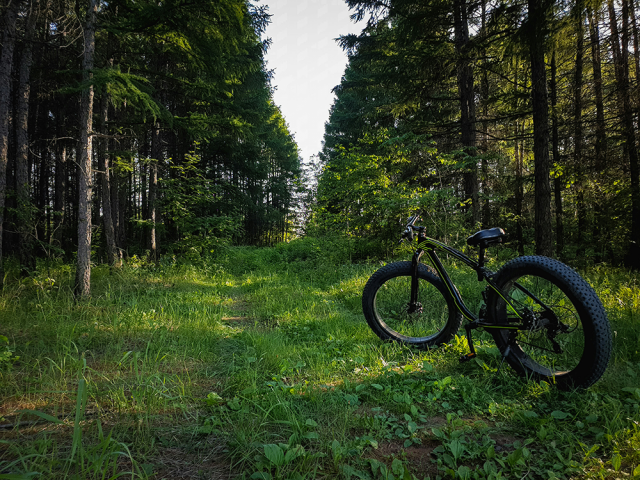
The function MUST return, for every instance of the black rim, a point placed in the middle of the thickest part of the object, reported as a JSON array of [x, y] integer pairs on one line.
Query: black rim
[[412, 323], [553, 342]]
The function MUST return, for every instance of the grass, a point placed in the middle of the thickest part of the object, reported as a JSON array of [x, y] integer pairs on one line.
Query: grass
[[258, 364]]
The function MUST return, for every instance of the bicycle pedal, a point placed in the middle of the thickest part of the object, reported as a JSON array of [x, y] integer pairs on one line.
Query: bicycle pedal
[[467, 357]]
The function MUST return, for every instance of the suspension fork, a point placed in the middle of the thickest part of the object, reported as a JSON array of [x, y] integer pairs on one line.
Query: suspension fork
[[415, 262]]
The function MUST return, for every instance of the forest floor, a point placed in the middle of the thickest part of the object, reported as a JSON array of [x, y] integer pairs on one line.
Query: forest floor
[[259, 364]]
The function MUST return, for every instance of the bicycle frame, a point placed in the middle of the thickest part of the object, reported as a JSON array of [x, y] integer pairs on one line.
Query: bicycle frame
[[545, 320], [429, 246]]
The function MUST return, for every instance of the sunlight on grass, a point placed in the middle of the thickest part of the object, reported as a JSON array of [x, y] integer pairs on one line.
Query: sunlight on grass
[[264, 354]]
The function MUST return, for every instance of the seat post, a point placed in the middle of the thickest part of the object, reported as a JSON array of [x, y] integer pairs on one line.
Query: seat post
[[481, 262]]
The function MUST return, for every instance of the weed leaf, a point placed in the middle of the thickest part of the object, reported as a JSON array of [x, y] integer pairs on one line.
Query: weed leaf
[[491, 452], [42, 415], [616, 461], [412, 427], [464, 472], [348, 471], [261, 476], [457, 449], [490, 467], [397, 466], [275, 454], [214, 399], [293, 453]]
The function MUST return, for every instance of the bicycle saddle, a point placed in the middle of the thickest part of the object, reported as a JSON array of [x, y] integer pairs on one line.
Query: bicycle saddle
[[486, 237]]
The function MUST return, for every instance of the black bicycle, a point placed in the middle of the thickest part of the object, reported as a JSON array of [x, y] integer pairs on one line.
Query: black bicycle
[[547, 321]]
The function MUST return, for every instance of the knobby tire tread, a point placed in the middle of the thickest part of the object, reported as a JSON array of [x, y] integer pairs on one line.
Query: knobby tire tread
[[597, 331], [425, 273]]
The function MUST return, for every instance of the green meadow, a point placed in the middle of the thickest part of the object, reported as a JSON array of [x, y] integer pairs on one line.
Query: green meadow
[[258, 364]]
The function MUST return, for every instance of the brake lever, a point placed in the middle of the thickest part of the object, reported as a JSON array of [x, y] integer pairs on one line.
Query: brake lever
[[407, 234]]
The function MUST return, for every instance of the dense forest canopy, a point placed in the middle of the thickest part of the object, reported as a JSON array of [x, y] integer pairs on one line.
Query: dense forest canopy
[[138, 127], [149, 128], [490, 113]]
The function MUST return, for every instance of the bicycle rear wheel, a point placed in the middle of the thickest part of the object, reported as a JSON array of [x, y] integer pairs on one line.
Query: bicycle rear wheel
[[432, 321], [567, 339]]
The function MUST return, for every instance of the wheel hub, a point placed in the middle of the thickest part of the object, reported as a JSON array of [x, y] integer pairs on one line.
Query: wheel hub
[[534, 322], [414, 307]]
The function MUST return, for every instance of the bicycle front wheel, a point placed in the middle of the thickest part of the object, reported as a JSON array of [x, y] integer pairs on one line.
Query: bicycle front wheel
[[564, 336], [386, 304]]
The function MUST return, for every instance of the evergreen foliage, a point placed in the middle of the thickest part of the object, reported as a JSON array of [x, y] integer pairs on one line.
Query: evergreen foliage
[[189, 150], [406, 79]]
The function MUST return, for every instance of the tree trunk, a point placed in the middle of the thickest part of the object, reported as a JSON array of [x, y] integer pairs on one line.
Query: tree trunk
[[578, 136], [518, 151], [600, 130], [42, 175], [25, 221], [519, 197], [555, 147], [105, 183], [636, 50], [114, 179], [42, 199], [124, 211], [467, 104], [601, 133], [83, 271], [156, 152], [484, 92], [6, 61], [620, 59], [60, 195], [543, 234], [72, 201]]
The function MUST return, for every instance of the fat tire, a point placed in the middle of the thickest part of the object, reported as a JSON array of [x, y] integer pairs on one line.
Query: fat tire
[[384, 331], [588, 308]]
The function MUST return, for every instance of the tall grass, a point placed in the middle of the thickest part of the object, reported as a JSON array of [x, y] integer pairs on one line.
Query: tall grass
[[258, 363]]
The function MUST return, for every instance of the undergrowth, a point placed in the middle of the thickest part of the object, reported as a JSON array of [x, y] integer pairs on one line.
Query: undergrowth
[[258, 364]]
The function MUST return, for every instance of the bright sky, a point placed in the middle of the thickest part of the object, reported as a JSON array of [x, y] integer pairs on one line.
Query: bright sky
[[308, 63]]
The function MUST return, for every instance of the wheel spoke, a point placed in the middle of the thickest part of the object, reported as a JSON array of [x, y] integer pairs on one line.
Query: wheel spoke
[[393, 315], [552, 340]]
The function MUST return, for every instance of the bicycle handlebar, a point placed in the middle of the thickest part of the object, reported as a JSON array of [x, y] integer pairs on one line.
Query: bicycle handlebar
[[408, 230]]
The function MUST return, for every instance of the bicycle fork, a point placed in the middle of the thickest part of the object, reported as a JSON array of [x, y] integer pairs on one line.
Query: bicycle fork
[[414, 305]]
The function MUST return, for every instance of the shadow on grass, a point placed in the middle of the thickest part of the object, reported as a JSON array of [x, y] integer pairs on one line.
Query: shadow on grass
[[186, 363]]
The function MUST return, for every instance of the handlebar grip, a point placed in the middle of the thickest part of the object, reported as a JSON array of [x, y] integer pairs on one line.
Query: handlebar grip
[[408, 232], [413, 219]]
